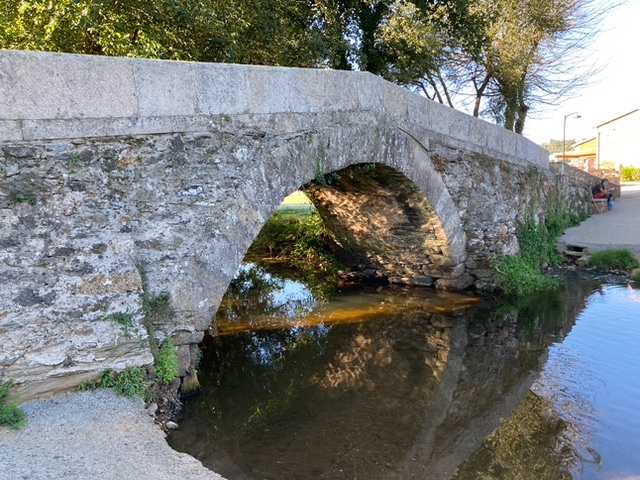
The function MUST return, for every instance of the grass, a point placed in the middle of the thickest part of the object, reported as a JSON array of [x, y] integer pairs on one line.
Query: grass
[[10, 415], [621, 259]]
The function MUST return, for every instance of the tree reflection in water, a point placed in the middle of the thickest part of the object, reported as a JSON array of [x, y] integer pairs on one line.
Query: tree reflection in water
[[389, 384]]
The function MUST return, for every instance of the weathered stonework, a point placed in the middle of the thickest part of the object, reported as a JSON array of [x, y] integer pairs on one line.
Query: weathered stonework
[[174, 172]]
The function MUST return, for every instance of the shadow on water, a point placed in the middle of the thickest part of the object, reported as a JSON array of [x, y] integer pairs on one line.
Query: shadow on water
[[364, 383]]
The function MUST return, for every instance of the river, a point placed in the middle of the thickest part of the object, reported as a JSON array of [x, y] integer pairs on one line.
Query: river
[[392, 383]]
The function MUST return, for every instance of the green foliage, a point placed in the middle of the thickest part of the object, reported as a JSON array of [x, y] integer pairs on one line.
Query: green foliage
[[297, 237], [629, 174], [106, 379], [521, 274], [85, 386], [621, 259], [518, 276], [22, 197], [125, 320], [10, 415], [166, 362], [130, 383], [238, 31], [555, 146]]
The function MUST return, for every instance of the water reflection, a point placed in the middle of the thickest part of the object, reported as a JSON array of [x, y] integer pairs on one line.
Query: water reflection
[[386, 384]]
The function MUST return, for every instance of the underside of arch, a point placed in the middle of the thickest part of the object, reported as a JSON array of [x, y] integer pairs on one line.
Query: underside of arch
[[384, 228]]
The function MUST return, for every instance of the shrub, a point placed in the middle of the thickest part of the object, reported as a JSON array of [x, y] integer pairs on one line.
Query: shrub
[[10, 414], [166, 363], [522, 273], [629, 174], [621, 259]]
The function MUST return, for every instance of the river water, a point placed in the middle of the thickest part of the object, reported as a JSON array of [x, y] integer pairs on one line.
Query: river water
[[391, 383]]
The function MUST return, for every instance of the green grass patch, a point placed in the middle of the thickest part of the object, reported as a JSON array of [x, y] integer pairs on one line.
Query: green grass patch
[[621, 259], [10, 415]]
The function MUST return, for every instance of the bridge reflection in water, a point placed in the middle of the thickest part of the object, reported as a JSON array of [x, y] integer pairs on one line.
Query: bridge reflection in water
[[388, 384]]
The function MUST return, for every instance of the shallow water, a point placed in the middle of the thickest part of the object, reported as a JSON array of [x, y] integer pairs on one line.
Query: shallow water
[[399, 384], [592, 379]]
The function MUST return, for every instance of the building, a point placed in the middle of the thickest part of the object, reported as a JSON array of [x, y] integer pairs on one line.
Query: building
[[613, 147], [616, 142]]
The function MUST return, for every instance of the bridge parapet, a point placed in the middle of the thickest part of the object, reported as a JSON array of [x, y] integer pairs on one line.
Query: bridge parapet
[[57, 96]]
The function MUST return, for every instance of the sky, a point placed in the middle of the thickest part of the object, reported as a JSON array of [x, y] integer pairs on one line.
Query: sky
[[613, 93]]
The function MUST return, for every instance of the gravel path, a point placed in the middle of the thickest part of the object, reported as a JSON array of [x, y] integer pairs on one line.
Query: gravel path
[[92, 435]]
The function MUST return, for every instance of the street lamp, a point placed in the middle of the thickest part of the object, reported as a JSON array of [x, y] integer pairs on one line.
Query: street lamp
[[564, 132]]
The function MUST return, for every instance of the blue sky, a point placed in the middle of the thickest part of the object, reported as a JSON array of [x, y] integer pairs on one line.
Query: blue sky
[[614, 92]]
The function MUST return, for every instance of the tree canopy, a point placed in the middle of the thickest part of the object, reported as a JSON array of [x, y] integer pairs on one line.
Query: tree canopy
[[500, 58]]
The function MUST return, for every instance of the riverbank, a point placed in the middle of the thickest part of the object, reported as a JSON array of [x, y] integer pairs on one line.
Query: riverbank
[[95, 434]]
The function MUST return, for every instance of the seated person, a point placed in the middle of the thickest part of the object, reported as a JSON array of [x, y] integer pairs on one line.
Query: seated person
[[602, 190]]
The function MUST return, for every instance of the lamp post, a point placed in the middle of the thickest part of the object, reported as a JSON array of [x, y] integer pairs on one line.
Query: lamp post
[[564, 132]]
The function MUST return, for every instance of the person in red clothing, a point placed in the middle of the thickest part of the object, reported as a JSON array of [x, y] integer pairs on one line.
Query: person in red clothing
[[602, 190]]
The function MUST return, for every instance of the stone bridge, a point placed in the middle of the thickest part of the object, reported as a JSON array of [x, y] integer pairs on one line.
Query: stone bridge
[[127, 184]]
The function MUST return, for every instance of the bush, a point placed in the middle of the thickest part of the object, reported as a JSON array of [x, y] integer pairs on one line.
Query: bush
[[10, 414], [522, 273], [629, 174], [621, 259]]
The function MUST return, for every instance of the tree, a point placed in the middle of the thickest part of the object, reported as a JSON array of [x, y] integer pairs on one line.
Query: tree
[[273, 32], [555, 146], [534, 54], [502, 58]]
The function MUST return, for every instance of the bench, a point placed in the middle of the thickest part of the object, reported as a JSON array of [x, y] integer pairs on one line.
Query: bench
[[599, 205]]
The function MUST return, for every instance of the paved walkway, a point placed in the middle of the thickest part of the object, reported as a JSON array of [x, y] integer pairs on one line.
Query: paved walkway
[[617, 228]]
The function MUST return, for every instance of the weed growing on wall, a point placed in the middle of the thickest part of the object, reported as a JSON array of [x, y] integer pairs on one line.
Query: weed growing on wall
[[125, 320], [10, 415], [130, 383], [522, 273], [166, 362]]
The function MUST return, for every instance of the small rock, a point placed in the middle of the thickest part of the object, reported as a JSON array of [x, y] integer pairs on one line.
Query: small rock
[[171, 425], [152, 408]]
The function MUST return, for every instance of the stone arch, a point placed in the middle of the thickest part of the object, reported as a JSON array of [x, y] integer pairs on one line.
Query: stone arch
[[435, 253]]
